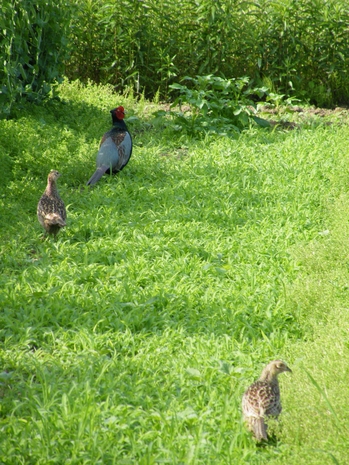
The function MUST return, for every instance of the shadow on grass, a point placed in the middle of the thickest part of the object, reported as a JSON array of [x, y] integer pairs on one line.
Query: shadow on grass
[[194, 213]]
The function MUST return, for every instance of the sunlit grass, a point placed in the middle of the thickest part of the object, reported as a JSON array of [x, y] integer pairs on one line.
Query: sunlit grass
[[132, 337], [317, 426]]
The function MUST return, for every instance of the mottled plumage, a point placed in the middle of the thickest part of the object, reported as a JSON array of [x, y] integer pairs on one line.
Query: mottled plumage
[[115, 148], [51, 209], [262, 399]]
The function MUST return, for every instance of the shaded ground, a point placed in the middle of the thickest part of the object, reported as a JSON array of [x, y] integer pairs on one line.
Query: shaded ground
[[295, 116], [291, 117]]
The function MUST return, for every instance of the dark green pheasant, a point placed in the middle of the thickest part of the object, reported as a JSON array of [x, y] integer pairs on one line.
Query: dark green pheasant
[[115, 148]]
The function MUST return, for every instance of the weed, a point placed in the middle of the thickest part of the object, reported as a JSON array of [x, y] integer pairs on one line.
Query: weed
[[215, 105]]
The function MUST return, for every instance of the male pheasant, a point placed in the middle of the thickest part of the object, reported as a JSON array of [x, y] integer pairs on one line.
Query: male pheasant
[[262, 399], [115, 148], [51, 209]]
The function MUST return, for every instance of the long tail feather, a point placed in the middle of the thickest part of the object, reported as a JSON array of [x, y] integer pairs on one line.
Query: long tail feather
[[259, 429], [97, 175]]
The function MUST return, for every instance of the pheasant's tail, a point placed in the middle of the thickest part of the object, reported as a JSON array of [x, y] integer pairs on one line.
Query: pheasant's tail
[[259, 429], [97, 175], [52, 219]]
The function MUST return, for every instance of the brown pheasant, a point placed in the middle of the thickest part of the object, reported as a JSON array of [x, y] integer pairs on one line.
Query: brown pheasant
[[262, 399], [51, 209]]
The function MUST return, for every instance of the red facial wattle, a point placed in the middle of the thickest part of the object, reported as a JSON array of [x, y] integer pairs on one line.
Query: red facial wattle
[[120, 112]]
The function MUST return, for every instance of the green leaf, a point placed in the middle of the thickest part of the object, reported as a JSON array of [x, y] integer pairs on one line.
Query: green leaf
[[261, 121]]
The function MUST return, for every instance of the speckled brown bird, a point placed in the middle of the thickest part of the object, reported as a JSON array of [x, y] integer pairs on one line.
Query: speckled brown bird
[[262, 399], [51, 209]]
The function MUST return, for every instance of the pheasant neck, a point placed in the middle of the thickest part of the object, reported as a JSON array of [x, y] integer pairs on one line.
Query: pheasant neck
[[51, 189], [269, 377], [120, 124]]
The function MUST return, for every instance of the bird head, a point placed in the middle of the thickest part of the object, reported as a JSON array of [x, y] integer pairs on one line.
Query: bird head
[[278, 366], [53, 175], [118, 113], [273, 369]]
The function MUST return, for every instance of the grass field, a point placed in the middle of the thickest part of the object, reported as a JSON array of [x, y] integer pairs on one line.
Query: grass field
[[131, 338]]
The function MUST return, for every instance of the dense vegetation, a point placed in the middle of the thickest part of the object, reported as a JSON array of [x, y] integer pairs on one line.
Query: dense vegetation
[[33, 47], [294, 47], [131, 338]]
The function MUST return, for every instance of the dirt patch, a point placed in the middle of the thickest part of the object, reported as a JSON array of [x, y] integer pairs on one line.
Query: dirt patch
[[291, 117]]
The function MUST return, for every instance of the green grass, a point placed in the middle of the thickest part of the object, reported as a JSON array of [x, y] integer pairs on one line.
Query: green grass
[[132, 337], [318, 432]]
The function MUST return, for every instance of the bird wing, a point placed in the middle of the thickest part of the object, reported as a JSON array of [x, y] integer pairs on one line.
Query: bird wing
[[107, 159], [48, 205], [125, 150], [266, 397], [115, 151], [257, 399], [108, 154]]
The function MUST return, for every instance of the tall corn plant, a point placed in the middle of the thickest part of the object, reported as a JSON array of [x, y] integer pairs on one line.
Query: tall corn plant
[[33, 47]]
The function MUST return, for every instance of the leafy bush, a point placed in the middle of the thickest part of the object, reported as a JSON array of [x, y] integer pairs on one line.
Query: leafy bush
[[33, 46], [300, 46], [215, 105], [149, 45], [304, 48], [135, 44]]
